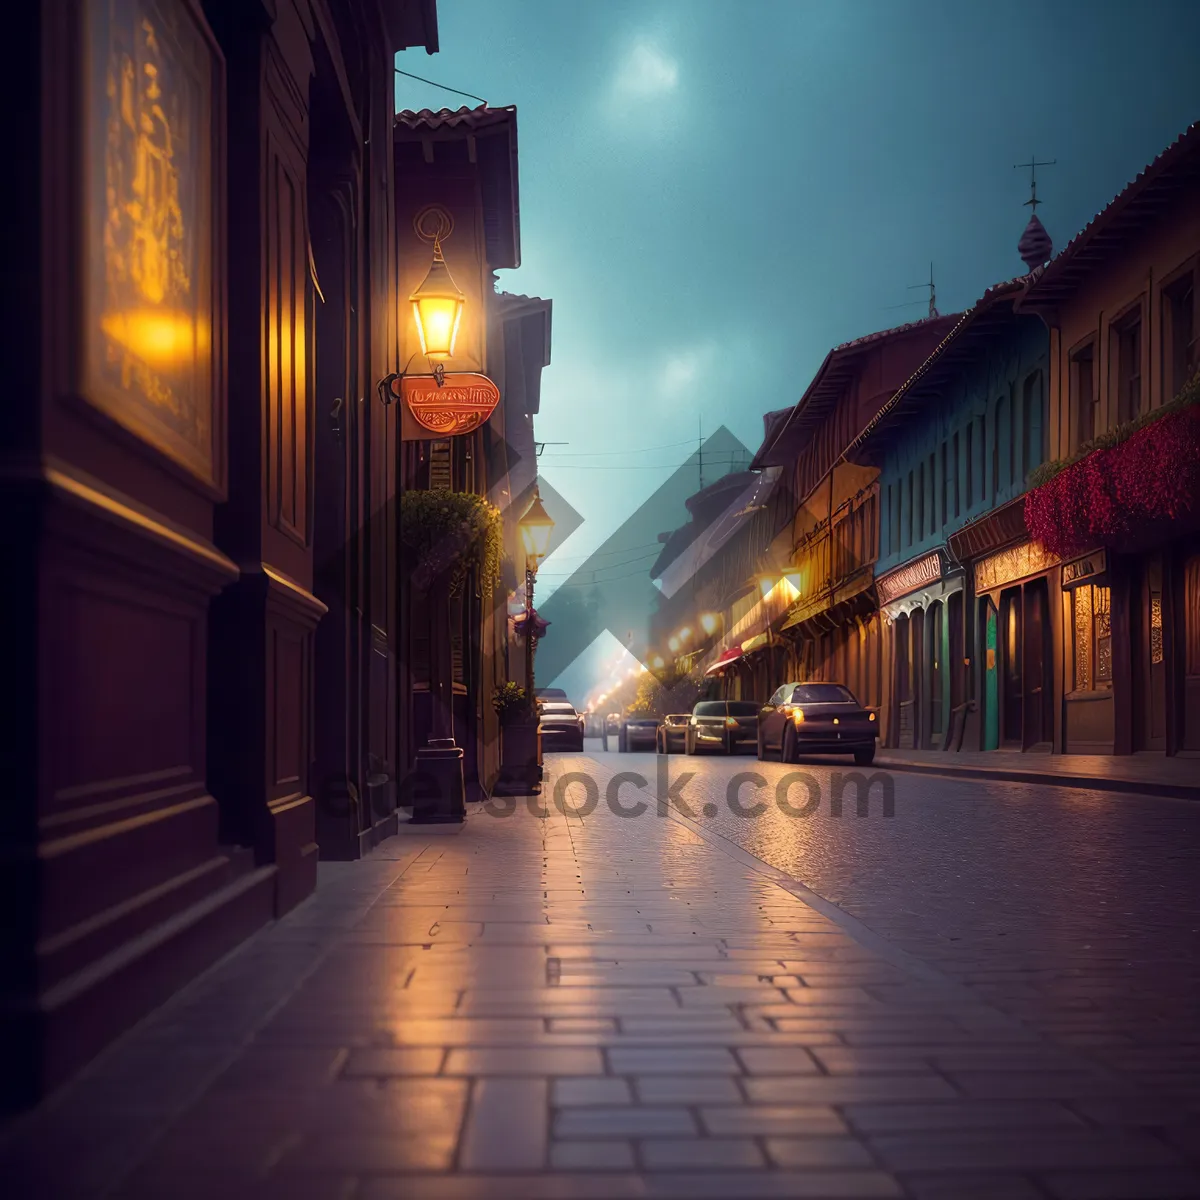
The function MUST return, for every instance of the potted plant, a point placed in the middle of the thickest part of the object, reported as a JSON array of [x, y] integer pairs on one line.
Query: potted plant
[[518, 741], [510, 702]]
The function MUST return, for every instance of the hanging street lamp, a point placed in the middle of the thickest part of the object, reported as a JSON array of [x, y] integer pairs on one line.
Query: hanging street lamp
[[437, 309]]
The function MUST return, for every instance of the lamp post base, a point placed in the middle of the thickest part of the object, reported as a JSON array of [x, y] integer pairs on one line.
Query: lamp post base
[[440, 795]]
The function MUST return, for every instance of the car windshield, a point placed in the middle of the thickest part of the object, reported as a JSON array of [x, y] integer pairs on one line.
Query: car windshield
[[821, 693], [677, 719], [710, 708], [742, 708]]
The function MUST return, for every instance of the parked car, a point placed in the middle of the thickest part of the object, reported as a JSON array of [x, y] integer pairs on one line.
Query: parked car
[[638, 733], [613, 723], [672, 733], [561, 726], [724, 725], [550, 694], [816, 718], [593, 725]]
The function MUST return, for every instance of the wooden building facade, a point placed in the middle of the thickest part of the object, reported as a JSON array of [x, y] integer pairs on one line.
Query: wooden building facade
[[198, 476], [1124, 424]]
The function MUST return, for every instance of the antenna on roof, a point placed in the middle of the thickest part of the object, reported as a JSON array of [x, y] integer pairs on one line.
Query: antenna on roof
[[1035, 246], [1033, 165], [933, 312]]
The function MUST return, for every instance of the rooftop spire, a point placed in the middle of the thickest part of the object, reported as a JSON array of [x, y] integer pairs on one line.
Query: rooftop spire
[[1035, 246]]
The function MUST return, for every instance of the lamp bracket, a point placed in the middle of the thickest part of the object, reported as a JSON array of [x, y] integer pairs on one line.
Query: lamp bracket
[[433, 224]]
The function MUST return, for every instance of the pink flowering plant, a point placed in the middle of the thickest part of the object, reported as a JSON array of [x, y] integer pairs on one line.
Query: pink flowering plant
[[1124, 487]]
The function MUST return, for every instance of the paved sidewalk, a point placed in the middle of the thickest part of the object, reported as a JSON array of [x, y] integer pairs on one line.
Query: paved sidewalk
[[565, 1007], [1153, 774]]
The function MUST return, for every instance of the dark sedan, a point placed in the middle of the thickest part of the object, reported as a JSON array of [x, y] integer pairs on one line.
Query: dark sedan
[[816, 718], [561, 726], [638, 733], [722, 725], [672, 733]]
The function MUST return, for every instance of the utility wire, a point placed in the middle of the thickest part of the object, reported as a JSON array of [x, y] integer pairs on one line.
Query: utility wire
[[419, 79], [633, 450]]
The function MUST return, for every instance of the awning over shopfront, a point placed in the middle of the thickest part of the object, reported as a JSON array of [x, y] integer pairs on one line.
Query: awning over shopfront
[[855, 597], [725, 660], [758, 642]]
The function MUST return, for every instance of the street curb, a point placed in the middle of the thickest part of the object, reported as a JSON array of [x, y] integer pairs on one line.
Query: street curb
[[1094, 783]]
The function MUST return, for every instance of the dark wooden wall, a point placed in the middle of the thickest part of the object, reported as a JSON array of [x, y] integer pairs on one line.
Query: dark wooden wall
[[180, 532]]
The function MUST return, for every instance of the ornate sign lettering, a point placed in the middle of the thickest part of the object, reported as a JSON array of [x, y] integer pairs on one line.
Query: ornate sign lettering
[[1084, 568], [1016, 562], [151, 268], [908, 578], [460, 405]]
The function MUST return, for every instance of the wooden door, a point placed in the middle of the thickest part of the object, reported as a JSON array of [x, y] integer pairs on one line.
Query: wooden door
[[1011, 670], [1038, 711], [937, 666], [1190, 624], [991, 678], [1153, 669], [904, 699]]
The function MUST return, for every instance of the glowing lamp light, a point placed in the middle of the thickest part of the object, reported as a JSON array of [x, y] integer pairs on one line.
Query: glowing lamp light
[[673, 643], [438, 307], [685, 633], [536, 526], [658, 663], [708, 623]]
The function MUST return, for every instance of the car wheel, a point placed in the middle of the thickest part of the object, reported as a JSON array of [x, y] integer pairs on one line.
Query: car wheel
[[787, 751], [864, 758]]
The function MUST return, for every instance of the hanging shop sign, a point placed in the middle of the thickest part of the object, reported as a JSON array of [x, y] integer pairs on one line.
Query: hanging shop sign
[[911, 577], [460, 405], [1088, 567], [1012, 564]]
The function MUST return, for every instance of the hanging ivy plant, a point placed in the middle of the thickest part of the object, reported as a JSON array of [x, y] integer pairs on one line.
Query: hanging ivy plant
[[444, 534]]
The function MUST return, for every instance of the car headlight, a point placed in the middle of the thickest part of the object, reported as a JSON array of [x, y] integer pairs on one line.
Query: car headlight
[[798, 716]]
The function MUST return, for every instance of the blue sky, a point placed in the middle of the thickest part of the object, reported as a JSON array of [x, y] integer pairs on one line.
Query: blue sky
[[714, 192]]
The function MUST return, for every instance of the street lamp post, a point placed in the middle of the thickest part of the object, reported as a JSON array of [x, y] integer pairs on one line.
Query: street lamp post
[[439, 785], [535, 527]]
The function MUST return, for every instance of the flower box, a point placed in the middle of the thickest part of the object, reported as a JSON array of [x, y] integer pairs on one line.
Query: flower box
[[1125, 496]]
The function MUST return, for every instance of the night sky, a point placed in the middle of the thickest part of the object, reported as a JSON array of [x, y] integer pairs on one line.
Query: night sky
[[715, 192]]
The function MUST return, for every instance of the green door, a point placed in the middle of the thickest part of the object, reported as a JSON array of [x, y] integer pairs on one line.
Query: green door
[[991, 686]]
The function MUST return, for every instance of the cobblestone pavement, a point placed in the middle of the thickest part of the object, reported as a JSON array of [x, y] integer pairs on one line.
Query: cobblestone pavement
[[990, 994]]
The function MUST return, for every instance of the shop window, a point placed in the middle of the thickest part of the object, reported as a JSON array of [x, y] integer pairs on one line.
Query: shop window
[[1032, 448], [1179, 321], [981, 458], [921, 502], [969, 467], [908, 516], [1191, 602], [943, 509], [1091, 640], [1125, 348], [1001, 445], [1084, 400]]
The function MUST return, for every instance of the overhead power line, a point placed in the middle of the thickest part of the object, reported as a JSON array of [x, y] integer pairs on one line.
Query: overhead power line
[[420, 79]]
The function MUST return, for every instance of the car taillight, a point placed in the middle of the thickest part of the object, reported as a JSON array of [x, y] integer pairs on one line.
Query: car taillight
[[870, 716]]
